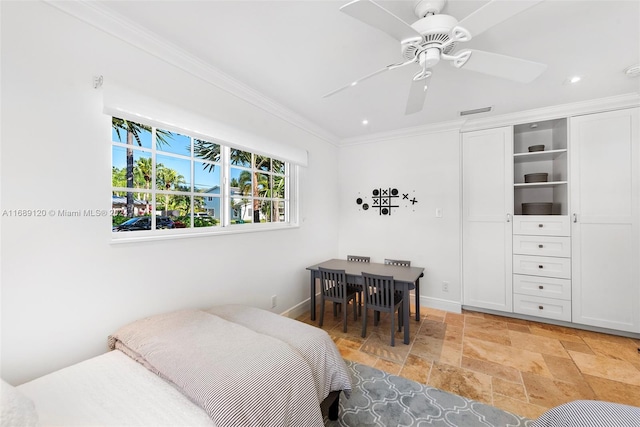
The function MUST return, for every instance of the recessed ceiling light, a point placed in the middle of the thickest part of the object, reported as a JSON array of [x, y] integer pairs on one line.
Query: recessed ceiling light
[[573, 80], [365, 122]]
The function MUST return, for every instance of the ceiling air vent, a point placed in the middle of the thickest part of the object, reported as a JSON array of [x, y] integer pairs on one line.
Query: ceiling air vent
[[476, 111]]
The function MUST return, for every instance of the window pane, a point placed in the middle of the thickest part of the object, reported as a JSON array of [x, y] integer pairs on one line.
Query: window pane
[[173, 142], [173, 211], [262, 163], [127, 205], [241, 211], [278, 166], [139, 168], [173, 173], [206, 150], [240, 158], [206, 211], [240, 183], [206, 177], [278, 187], [128, 132], [278, 212], [263, 185]]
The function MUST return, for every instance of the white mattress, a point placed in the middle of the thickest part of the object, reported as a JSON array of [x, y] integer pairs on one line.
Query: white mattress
[[110, 390]]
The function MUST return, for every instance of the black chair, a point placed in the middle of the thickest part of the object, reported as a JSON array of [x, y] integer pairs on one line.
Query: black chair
[[379, 294], [335, 289], [404, 263], [355, 286], [358, 258], [400, 262]]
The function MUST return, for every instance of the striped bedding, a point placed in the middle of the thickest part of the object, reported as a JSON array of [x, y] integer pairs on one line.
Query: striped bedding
[[315, 345], [590, 413], [240, 377]]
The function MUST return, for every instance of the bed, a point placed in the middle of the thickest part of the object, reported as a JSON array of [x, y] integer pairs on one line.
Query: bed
[[225, 366]]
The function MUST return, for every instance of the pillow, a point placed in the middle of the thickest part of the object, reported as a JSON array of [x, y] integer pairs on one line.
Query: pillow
[[17, 409], [590, 413]]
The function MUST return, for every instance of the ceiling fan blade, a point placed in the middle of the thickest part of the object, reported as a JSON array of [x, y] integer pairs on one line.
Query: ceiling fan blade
[[417, 95], [375, 15], [506, 67], [494, 13], [375, 73]]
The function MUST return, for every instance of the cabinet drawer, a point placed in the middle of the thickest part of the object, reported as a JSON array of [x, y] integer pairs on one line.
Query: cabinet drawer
[[542, 245], [541, 225], [542, 266], [547, 287], [543, 307]]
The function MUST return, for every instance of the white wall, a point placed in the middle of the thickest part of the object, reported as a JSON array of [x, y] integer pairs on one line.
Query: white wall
[[64, 286], [426, 167]]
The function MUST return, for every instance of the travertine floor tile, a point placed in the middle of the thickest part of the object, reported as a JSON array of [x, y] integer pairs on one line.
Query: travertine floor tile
[[537, 343], [604, 367], [464, 382], [614, 391], [520, 366], [522, 360], [549, 392]]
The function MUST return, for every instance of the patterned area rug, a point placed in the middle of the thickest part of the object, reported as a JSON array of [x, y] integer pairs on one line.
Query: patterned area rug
[[381, 399]]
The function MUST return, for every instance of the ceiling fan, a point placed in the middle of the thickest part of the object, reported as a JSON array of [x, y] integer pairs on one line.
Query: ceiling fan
[[434, 37]]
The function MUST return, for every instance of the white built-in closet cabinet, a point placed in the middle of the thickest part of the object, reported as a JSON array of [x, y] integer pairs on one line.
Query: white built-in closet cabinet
[[581, 263]]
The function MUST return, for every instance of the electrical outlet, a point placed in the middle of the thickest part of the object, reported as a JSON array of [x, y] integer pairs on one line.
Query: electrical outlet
[[274, 301], [445, 286]]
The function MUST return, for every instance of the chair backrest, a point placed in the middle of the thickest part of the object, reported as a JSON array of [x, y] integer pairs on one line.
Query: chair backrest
[[379, 291], [333, 283], [400, 262], [358, 258]]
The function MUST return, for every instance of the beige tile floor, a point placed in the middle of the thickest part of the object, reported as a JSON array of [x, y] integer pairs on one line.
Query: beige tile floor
[[520, 366]]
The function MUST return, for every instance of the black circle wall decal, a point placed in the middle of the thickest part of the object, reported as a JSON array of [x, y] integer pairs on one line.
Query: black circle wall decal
[[376, 192], [394, 191], [385, 211], [359, 201], [365, 206]]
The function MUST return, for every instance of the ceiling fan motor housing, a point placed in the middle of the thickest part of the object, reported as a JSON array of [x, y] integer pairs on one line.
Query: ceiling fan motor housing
[[435, 31]]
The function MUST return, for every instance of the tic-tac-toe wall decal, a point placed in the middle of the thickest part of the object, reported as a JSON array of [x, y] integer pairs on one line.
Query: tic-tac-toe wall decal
[[386, 200]]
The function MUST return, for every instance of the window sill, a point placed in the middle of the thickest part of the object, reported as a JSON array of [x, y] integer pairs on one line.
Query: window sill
[[187, 233]]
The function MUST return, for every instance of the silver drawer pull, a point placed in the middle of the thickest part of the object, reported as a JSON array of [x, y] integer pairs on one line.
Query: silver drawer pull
[[540, 225], [540, 307], [540, 287], [540, 246], [540, 266]]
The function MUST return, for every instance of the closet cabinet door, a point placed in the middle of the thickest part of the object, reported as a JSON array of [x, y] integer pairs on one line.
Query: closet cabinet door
[[605, 201], [487, 176]]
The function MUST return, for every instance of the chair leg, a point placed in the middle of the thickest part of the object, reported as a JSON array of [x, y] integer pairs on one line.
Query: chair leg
[[417, 301], [335, 309], [355, 309], [321, 311], [393, 330], [364, 322], [376, 318], [400, 318], [344, 317]]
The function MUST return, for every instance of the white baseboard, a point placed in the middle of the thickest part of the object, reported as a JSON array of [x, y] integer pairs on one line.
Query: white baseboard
[[441, 304], [437, 303]]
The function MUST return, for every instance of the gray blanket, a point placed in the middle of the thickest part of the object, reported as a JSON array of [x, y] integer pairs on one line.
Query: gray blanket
[[238, 376]]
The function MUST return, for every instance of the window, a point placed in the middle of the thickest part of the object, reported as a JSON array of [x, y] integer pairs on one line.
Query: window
[[164, 180]]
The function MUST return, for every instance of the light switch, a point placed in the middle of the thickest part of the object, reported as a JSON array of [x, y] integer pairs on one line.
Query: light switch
[[438, 212]]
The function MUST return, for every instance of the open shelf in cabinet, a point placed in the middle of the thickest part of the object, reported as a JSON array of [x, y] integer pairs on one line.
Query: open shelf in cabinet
[[552, 160]]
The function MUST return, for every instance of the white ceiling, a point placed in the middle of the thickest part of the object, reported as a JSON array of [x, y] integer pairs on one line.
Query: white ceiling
[[294, 52]]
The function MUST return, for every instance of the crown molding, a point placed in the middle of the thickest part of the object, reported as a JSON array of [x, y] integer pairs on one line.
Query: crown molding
[[100, 17], [627, 100]]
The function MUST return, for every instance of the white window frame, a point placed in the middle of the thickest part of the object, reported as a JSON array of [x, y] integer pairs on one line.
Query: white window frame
[[290, 200]]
